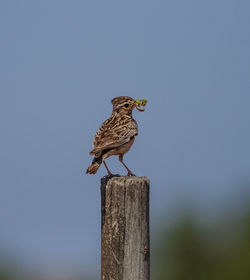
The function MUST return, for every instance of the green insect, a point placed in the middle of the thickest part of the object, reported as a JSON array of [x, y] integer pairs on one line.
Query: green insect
[[141, 102]]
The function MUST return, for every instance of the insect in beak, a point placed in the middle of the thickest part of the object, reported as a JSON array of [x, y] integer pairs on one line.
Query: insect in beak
[[140, 103]]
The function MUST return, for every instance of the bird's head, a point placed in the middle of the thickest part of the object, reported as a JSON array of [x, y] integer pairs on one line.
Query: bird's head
[[124, 105]]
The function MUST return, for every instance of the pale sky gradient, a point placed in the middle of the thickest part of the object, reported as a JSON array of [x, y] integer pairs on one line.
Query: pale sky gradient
[[63, 61]]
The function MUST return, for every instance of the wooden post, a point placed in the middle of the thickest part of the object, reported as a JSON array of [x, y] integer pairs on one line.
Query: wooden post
[[125, 228]]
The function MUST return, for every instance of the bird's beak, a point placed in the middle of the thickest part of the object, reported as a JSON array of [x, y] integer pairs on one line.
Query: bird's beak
[[140, 103]]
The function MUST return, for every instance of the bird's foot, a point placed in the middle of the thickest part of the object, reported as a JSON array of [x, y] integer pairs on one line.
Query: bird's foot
[[110, 175]]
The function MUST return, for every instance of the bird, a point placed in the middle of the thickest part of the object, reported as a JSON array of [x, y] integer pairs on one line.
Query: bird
[[117, 134]]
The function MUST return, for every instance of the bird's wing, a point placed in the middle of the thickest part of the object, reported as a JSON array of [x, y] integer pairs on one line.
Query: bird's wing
[[114, 133]]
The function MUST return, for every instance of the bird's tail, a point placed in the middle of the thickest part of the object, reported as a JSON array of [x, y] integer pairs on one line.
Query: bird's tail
[[92, 169]]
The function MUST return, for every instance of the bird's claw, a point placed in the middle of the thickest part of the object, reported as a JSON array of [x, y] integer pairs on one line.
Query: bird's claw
[[112, 175]]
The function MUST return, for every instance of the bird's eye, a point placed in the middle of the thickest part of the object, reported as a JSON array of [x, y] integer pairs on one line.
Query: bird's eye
[[126, 105]]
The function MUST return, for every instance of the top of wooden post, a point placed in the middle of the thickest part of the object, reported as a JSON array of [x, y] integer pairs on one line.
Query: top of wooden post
[[124, 179]]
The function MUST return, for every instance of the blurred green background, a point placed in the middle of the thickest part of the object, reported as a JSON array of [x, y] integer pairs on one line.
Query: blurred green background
[[191, 248], [188, 246]]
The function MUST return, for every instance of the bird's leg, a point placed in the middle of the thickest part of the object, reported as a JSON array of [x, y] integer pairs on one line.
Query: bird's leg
[[109, 173], [121, 160]]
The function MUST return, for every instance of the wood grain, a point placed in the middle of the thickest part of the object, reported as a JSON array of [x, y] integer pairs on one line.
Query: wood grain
[[125, 228]]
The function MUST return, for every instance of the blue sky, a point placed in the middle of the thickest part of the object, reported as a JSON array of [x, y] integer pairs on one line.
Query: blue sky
[[61, 64]]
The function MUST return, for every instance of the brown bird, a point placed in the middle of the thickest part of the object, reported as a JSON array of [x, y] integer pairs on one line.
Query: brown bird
[[117, 134]]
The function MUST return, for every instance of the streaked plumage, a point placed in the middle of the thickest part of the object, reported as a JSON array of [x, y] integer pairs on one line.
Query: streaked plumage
[[117, 134]]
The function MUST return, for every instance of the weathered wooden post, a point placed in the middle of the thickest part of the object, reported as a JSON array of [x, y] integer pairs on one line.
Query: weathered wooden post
[[125, 228]]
